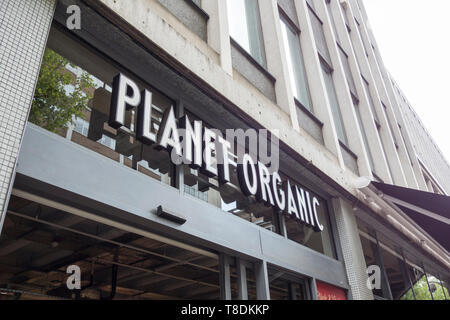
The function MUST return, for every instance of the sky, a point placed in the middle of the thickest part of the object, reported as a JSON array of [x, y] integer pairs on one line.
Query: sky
[[414, 42]]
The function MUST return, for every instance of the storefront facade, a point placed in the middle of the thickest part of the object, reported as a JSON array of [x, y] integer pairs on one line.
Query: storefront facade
[[94, 194]]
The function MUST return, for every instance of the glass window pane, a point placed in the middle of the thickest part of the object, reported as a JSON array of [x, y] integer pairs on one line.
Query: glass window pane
[[77, 96], [297, 73], [333, 23], [245, 27], [238, 23], [305, 235], [336, 112], [371, 103], [348, 73], [319, 36], [284, 286], [364, 135]]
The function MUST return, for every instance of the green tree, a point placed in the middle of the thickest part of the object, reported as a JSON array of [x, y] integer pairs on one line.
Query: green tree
[[422, 292], [59, 94]]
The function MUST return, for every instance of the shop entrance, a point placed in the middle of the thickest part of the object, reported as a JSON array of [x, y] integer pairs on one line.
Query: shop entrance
[[40, 243]]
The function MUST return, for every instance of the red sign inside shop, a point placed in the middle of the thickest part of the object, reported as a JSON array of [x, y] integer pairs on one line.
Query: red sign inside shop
[[328, 292]]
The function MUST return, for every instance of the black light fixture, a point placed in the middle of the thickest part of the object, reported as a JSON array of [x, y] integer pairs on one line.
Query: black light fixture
[[171, 216]]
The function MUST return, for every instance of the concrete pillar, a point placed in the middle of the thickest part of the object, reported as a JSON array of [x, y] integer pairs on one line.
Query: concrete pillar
[[241, 280], [352, 251], [225, 280], [262, 281], [218, 31], [24, 27], [313, 289]]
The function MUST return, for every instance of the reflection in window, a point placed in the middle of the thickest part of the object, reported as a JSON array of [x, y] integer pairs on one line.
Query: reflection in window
[[74, 90], [229, 197], [319, 241], [297, 73], [245, 27], [90, 129], [433, 290]]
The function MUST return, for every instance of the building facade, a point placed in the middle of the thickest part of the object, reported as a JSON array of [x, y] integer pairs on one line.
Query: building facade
[[84, 191]]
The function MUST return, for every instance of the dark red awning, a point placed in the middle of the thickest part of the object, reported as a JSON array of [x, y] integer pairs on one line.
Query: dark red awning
[[429, 210]]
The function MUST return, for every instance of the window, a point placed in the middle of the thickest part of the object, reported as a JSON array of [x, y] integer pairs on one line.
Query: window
[[284, 286], [296, 66], [245, 27], [319, 36], [190, 13], [404, 142], [90, 79], [384, 151], [360, 36], [364, 135], [344, 13], [348, 73], [321, 242], [311, 3], [390, 125], [371, 103], [332, 97], [333, 23]]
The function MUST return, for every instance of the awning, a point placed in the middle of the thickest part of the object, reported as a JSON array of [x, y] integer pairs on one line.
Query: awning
[[429, 210]]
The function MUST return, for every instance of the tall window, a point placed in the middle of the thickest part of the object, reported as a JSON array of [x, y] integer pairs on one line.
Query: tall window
[[371, 103], [332, 96], [296, 66], [364, 135], [348, 72], [319, 36], [361, 37], [245, 27], [333, 23], [327, 70]]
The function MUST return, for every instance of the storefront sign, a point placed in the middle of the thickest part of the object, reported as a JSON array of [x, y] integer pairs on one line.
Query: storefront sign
[[205, 149]]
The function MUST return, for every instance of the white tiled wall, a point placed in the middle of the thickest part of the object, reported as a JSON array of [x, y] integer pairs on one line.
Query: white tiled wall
[[24, 26], [352, 250]]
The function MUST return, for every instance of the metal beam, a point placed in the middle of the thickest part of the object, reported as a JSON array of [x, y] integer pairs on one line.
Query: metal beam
[[119, 244], [408, 276], [118, 225], [154, 272], [443, 288], [428, 282], [417, 209], [385, 288]]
